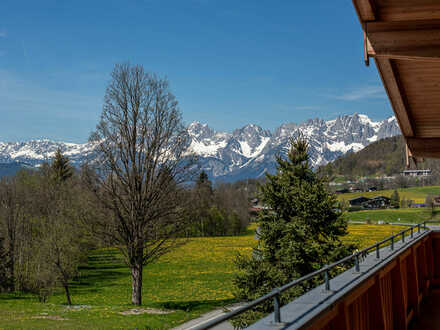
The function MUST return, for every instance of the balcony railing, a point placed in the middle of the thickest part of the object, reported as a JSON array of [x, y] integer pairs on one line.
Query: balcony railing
[[355, 259]]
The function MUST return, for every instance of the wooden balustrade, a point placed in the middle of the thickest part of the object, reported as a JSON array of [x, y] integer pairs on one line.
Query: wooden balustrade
[[392, 297]]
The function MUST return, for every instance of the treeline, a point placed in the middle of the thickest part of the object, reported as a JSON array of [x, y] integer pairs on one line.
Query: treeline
[[220, 210], [42, 236], [49, 218]]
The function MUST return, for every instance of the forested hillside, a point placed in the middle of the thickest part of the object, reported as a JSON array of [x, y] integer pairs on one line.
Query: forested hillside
[[384, 157]]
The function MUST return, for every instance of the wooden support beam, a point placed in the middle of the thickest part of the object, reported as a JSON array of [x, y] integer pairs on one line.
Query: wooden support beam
[[365, 10], [408, 156], [407, 10], [398, 101], [424, 147], [404, 40]]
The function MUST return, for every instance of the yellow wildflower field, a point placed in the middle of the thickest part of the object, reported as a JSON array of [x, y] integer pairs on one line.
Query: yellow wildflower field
[[366, 235], [189, 281]]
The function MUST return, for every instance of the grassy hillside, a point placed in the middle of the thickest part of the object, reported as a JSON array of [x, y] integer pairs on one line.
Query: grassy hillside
[[189, 281], [417, 194]]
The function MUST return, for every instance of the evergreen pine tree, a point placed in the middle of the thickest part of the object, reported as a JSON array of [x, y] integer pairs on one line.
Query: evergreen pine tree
[[203, 178], [203, 200], [299, 233], [61, 167], [235, 223]]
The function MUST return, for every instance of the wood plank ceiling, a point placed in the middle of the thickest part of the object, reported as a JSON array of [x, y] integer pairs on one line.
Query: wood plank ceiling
[[403, 37]]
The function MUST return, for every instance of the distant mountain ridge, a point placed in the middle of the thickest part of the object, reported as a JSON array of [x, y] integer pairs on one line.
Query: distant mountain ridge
[[248, 152]]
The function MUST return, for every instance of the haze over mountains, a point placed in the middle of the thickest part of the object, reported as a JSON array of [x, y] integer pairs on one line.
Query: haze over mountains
[[247, 152]]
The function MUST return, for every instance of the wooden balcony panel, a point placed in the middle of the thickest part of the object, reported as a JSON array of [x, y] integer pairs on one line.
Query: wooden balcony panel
[[360, 298]]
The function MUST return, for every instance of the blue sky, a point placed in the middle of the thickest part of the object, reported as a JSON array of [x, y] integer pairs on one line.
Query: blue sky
[[229, 63]]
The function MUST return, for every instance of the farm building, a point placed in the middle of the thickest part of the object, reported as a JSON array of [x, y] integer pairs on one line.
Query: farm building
[[358, 201], [377, 202], [416, 173]]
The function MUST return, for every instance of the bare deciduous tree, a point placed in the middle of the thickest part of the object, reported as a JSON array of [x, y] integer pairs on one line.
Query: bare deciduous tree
[[142, 161]]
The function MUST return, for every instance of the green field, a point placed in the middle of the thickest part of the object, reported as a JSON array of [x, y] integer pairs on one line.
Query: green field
[[189, 282], [417, 194], [393, 215]]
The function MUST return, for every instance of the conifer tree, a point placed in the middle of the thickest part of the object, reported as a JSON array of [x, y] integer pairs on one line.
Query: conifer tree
[[202, 202], [203, 178], [299, 232], [61, 237], [61, 167]]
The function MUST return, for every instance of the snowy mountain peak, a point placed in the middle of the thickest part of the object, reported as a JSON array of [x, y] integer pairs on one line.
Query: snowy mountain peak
[[250, 130], [200, 131], [248, 152]]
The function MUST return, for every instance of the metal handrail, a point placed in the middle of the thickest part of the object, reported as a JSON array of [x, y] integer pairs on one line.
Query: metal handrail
[[275, 293]]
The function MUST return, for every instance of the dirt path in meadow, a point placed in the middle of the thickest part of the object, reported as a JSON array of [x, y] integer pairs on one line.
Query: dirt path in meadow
[[208, 317]]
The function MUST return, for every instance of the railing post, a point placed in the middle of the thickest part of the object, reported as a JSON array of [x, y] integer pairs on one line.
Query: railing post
[[403, 237], [276, 307], [356, 263], [424, 225], [392, 243], [418, 228], [326, 279], [377, 251], [412, 232]]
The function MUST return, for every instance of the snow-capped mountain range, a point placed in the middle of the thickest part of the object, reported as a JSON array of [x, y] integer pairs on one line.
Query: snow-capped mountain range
[[247, 152]]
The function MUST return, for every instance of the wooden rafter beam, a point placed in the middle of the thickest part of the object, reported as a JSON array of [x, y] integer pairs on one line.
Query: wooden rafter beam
[[407, 11], [424, 147], [365, 10], [408, 156], [404, 40], [394, 91]]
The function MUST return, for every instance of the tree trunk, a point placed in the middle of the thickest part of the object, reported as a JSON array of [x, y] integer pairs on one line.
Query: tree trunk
[[136, 284], [11, 267], [66, 288]]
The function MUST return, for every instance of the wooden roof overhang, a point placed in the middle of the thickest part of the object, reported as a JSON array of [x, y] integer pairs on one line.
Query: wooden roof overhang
[[403, 37]]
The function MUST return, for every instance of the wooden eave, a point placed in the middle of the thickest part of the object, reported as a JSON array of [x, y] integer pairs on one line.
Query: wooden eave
[[403, 37]]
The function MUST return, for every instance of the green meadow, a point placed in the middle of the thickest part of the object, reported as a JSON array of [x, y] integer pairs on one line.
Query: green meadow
[[395, 215], [185, 284], [417, 194]]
